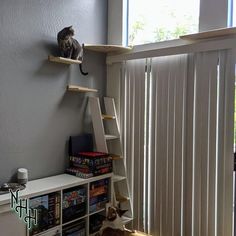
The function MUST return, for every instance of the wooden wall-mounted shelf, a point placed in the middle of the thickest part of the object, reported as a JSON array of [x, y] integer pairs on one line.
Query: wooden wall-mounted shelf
[[74, 88], [63, 60], [210, 34], [106, 48]]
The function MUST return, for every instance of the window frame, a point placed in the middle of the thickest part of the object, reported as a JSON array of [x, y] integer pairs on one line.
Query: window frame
[[118, 19]]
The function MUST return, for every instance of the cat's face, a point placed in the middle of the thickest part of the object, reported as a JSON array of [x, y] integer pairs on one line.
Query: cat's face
[[114, 212], [70, 31]]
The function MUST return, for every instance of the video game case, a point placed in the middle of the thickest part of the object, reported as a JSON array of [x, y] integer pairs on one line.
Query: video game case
[[99, 198], [51, 209], [93, 154], [90, 161], [95, 172], [99, 183], [98, 191], [91, 168], [76, 173], [74, 197]]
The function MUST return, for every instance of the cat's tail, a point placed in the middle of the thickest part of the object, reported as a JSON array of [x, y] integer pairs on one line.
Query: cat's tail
[[81, 70]]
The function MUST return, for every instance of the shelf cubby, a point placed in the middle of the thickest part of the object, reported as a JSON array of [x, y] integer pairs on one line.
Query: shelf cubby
[[95, 222], [99, 195], [74, 203]]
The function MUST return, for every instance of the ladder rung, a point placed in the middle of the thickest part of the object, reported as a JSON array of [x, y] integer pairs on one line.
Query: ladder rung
[[110, 137], [108, 117], [126, 219], [135, 233], [115, 157], [121, 198], [117, 178]]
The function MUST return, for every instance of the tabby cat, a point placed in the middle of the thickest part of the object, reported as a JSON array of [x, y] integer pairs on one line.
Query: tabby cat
[[70, 47]]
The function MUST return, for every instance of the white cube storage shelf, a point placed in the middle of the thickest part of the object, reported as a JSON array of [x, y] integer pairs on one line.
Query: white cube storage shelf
[[60, 184]]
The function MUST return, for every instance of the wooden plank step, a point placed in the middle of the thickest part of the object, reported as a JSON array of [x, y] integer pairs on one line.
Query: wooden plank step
[[126, 219], [121, 198], [115, 157], [135, 233], [110, 137], [117, 178], [108, 117]]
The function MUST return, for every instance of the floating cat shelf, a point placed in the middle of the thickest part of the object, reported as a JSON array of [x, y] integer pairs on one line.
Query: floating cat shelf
[[63, 60], [74, 88], [107, 48]]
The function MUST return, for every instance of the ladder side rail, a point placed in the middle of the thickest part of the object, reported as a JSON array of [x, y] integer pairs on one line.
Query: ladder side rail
[[100, 140]]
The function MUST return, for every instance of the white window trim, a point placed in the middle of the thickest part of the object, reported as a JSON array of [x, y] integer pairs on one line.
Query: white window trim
[[117, 22], [213, 14]]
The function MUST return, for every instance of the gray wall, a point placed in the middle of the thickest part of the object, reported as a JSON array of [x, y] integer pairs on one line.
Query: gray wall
[[36, 114]]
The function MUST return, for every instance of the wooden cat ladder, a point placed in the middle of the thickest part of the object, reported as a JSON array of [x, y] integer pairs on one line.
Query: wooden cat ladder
[[107, 138]]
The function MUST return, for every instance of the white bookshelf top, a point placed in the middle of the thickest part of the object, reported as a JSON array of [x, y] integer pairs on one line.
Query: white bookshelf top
[[50, 184]]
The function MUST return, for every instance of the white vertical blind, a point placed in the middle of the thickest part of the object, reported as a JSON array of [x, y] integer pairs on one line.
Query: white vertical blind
[[225, 142], [208, 188], [166, 129], [178, 139], [132, 106], [204, 144]]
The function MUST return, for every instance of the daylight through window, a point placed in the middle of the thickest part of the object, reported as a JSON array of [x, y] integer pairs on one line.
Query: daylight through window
[[160, 20]]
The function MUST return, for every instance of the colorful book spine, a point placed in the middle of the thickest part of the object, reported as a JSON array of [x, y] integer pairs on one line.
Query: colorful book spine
[[75, 172], [57, 209], [90, 161]]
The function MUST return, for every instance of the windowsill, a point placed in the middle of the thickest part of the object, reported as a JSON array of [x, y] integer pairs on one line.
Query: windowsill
[[188, 39], [216, 39], [158, 45]]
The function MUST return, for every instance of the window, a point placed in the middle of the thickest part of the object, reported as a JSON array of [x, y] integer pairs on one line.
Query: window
[[159, 20], [232, 12]]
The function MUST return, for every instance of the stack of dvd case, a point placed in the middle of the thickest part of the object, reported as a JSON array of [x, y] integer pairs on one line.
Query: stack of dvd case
[[89, 164]]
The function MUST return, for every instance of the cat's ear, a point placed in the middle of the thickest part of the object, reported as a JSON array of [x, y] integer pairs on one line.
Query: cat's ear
[[70, 27]]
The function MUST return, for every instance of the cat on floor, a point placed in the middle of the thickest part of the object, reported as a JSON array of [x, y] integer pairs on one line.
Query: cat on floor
[[113, 225]]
